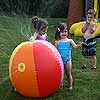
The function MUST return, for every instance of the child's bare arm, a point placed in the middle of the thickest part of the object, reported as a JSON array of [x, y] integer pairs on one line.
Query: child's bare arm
[[75, 45], [33, 37], [56, 42], [93, 28], [84, 27]]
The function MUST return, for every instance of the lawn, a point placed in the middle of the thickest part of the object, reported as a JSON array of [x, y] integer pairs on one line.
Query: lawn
[[13, 31]]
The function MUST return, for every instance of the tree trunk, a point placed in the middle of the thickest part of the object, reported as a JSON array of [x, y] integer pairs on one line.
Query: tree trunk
[[75, 12]]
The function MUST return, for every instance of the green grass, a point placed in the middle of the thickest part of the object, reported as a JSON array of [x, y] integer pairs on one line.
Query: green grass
[[13, 31]]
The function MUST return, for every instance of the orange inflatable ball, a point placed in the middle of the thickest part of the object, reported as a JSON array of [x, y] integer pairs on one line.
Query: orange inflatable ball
[[36, 69]]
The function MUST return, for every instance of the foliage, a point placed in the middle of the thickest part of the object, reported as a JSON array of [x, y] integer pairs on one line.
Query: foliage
[[50, 8]]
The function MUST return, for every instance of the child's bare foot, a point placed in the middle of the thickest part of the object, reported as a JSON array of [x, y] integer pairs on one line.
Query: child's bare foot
[[70, 88]]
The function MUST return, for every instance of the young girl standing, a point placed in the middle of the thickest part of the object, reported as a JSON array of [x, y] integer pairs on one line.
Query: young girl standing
[[41, 27], [64, 46]]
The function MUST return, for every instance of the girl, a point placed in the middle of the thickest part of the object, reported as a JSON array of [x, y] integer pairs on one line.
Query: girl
[[41, 27], [63, 44]]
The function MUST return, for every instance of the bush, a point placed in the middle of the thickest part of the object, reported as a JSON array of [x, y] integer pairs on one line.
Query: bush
[[50, 8]]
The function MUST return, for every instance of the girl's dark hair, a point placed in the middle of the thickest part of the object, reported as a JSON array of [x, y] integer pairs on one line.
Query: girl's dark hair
[[60, 28], [91, 12], [35, 20], [39, 24]]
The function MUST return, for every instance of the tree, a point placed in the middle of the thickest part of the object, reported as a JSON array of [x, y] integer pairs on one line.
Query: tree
[[75, 12], [50, 8]]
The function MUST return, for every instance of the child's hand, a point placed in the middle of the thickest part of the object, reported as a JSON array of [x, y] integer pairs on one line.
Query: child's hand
[[80, 44], [92, 22], [31, 39], [87, 22]]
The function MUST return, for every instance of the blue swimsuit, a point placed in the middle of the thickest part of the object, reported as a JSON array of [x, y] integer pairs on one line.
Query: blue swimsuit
[[64, 48]]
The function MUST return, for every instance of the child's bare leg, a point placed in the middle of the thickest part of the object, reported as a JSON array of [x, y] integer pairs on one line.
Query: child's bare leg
[[94, 61], [84, 61], [68, 68]]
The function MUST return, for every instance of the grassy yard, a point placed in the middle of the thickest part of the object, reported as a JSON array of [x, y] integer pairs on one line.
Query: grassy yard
[[13, 31]]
